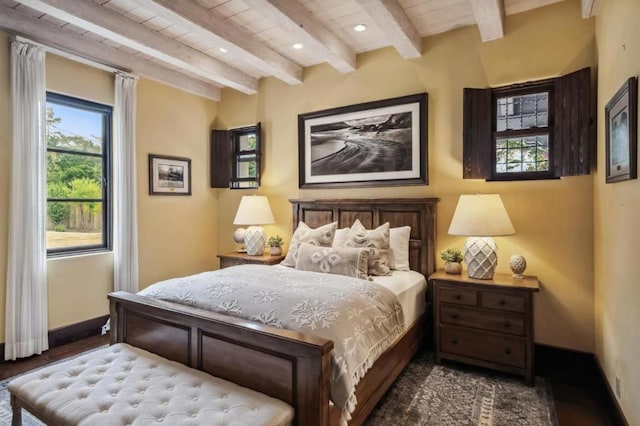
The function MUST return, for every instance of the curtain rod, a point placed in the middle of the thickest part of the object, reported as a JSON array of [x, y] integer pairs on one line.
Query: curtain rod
[[73, 56]]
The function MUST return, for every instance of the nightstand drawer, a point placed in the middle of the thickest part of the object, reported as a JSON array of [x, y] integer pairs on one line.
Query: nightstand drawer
[[504, 322], [484, 346], [502, 301], [458, 296], [226, 263]]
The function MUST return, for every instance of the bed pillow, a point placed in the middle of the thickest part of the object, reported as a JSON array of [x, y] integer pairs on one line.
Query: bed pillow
[[399, 243], [348, 261], [322, 236], [340, 238], [377, 241]]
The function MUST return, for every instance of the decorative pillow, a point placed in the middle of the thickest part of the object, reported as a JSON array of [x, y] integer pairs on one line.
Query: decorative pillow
[[377, 241], [322, 236], [333, 260], [399, 243], [340, 239]]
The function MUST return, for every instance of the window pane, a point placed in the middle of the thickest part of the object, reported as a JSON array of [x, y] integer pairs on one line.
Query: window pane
[[527, 154], [73, 176], [522, 112], [73, 224], [74, 128], [78, 143], [247, 142], [246, 167]]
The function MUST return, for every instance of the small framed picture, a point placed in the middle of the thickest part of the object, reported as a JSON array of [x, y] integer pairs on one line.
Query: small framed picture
[[169, 175], [621, 121]]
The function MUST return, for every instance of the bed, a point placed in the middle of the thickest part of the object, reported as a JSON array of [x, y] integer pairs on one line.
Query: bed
[[285, 364]]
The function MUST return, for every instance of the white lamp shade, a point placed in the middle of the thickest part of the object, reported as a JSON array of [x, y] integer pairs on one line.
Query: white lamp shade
[[254, 210], [481, 215]]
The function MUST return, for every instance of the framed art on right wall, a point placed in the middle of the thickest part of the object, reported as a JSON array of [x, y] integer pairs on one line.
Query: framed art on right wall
[[621, 128]]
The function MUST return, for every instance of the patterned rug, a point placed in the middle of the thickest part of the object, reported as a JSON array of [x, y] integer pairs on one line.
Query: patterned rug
[[425, 394]]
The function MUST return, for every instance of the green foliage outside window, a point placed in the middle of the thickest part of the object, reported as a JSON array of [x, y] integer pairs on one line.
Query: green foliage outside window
[[72, 175]]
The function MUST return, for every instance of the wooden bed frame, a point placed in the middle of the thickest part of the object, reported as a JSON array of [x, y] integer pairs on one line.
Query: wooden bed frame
[[284, 364]]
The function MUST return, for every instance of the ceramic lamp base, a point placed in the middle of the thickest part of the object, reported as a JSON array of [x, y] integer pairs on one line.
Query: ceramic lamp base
[[481, 256], [255, 240]]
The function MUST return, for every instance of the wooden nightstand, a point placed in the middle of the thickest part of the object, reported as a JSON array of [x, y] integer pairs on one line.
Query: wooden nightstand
[[235, 258], [485, 322]]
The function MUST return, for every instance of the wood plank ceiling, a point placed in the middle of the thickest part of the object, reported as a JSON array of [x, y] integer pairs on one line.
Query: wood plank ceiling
[[202, 46]]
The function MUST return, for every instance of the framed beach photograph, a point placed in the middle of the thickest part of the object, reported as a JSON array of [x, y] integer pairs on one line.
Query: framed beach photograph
[[379, 143], [169, 175], [621, 121]]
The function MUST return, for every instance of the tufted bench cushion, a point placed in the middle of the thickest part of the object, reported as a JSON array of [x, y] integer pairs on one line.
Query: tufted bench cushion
[[124, 385]]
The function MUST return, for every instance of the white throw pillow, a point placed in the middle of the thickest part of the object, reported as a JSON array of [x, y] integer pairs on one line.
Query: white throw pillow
[[321, 236], [399, 243], [377, 241], [340, 239]]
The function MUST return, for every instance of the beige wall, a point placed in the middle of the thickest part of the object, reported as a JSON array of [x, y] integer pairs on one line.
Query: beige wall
[[553, 218], [616, 208], [177, 235]]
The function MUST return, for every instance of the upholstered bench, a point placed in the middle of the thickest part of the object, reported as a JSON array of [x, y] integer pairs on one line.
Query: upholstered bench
[[124, 385]]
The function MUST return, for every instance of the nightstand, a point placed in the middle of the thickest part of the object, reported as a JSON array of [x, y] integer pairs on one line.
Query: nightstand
[[236, 258], [488, 323]]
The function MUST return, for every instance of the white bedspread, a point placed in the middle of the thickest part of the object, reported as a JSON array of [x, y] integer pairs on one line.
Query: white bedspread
[[362, 318]]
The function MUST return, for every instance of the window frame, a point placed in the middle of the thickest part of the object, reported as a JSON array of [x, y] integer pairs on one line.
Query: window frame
[[520, 90], [235, 181], [106, 200]]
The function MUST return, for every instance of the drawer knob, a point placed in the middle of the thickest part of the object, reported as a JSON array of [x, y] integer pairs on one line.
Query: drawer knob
[[502, 302], [454, 316], [457, 296], [454, 341], [507, 351], [507, 324]]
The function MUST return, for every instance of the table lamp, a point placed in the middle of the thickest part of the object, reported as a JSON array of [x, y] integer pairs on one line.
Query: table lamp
[[480, 217], [254, 210]]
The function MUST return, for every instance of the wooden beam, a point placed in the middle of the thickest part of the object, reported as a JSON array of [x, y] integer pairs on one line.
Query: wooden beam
[[199, 20], [395, 25], [84, 47], [109, 24], [489, 16], [590, 8], [294, 18]]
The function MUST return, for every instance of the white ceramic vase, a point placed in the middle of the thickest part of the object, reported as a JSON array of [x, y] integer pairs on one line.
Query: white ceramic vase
[[518, 264]]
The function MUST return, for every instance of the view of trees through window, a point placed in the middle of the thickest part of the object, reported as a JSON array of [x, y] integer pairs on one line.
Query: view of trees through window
[[77, 148]]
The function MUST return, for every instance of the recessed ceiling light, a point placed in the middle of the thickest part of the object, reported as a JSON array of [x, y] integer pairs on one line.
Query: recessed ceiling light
[[298, 46], [223, 50], [360, 28]]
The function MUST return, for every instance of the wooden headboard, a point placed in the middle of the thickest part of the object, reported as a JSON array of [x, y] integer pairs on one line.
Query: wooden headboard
[[419, 213]]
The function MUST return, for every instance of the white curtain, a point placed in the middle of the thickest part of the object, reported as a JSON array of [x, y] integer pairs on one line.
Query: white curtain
[[26, 304], [125, 238]]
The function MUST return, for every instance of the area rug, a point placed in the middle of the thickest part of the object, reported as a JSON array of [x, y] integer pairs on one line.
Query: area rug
[[425, 394]]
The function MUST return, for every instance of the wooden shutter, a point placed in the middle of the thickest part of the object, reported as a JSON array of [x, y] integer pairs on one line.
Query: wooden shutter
[[221, 153], [572, 126], [477, 134]]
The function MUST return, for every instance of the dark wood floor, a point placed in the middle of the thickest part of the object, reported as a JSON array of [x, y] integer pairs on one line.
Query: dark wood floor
[[578, 401]]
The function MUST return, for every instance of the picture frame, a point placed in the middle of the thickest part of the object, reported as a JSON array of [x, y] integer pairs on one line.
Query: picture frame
[[379, 143], [169, 175], [621, 128]]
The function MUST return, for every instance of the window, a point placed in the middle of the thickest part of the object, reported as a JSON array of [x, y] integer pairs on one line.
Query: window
[[235, 158], [536, 130], [522, 132], [78, 175]]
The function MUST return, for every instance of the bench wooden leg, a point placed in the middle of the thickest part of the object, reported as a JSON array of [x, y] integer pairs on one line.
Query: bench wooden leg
[[16, 419]]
